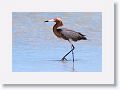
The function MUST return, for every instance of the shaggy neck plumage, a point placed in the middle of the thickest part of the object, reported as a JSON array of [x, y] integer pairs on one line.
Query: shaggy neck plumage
[[58, 24]]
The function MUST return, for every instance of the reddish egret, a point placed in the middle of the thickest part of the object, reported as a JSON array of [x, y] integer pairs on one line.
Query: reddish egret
[[66, 34]]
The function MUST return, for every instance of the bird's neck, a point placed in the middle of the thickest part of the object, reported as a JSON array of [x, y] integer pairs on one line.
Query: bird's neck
[[58, 24], [55, 27]]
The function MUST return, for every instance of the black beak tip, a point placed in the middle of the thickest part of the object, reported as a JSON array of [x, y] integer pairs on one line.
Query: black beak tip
[[45, 21]]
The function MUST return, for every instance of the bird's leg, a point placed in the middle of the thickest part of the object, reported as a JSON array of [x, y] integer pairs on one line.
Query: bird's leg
[[73, 56], [68, 53]]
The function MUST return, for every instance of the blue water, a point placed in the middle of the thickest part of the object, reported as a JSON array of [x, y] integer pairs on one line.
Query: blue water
[[36, 49]]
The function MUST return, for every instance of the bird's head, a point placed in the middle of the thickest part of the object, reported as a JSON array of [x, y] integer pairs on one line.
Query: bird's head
[[57, 20], [54, 20]]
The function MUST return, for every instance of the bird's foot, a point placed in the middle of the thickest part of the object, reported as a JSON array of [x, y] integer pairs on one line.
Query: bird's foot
[[63, 59]]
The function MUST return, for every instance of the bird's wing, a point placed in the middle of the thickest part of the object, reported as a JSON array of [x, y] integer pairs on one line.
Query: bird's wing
[[70, 34]]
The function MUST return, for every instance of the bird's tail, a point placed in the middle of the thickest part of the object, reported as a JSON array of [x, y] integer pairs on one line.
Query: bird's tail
[[83, 36]]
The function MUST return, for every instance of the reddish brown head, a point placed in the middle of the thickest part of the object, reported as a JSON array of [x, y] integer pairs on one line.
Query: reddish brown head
[[57, 20]]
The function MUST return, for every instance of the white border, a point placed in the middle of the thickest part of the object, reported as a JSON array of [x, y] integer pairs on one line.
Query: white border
[[104, 6]]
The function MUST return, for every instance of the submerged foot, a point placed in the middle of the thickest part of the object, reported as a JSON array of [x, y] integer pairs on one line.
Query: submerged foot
[[63, 59]]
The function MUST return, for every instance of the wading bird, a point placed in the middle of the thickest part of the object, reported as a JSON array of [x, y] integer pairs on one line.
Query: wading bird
[[66, 34]]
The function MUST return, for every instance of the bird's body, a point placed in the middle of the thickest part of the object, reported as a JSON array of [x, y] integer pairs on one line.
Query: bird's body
[[66, 34]]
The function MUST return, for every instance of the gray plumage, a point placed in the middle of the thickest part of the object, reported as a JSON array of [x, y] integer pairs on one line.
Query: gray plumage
[[70, 34]]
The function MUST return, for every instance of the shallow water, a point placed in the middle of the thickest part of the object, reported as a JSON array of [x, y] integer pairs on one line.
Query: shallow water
[[36, 49]]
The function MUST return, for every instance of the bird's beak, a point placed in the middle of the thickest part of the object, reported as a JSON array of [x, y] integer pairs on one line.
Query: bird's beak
[[50, 20], [46, 21]]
